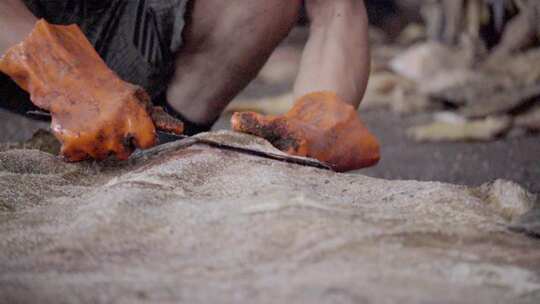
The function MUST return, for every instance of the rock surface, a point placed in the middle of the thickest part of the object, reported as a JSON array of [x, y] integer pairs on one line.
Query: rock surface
[[196, 224]]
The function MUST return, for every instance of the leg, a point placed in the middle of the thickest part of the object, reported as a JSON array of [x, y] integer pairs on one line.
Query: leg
[[336, 57], [226, 44]]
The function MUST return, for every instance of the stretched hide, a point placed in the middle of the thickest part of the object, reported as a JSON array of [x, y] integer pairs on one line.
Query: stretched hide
[[195, 223]]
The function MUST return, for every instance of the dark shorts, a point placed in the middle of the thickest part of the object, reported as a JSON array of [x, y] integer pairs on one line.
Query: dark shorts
[[138, 39]]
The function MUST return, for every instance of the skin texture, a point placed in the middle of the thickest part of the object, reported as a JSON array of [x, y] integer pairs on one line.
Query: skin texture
[[336, 57], [226, 43], [94, 113], [212, 71], [320, 125]]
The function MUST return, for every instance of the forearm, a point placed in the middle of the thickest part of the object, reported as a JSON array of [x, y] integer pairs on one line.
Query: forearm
[[226, 44], [16, 22], [336, 57]]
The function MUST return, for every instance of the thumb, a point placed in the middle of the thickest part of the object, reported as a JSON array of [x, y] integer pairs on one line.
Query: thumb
[[278, 130], [252, 123]]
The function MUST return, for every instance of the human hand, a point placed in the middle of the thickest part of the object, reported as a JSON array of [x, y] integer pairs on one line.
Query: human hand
[[321, 126], [94, 113]]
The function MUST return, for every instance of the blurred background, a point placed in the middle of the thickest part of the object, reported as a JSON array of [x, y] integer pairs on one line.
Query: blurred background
[[454, 93]]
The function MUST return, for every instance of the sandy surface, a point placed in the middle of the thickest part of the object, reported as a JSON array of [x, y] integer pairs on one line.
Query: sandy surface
[[197, 224]]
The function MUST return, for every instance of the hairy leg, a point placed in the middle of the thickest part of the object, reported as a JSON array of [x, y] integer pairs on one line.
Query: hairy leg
[[16, 22], [336, 57], [226, 44]]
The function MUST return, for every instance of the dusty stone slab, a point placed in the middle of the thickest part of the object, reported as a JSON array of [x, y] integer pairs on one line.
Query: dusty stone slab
[[197, 224]]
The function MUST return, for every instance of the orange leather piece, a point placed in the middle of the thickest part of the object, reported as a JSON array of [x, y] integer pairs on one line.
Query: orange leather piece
[[321, 126], [94, 112]]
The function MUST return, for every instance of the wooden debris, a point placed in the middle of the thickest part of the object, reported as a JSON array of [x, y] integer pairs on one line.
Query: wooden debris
[[500, 101], [461, 130], [423, 61], [389, 90]]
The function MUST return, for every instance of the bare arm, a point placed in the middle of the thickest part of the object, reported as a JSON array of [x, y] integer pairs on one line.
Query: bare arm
[[334, 71], [336, 57], [16, 22], [226, 44]]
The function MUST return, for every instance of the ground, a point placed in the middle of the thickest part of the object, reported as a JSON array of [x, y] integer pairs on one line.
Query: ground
[[188, 222], [516, 159]]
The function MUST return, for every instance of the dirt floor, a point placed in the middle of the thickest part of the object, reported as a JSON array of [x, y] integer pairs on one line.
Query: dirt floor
[[516, 159]]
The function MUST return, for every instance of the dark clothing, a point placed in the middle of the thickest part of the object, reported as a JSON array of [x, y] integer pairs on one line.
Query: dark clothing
[[138, 39]]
